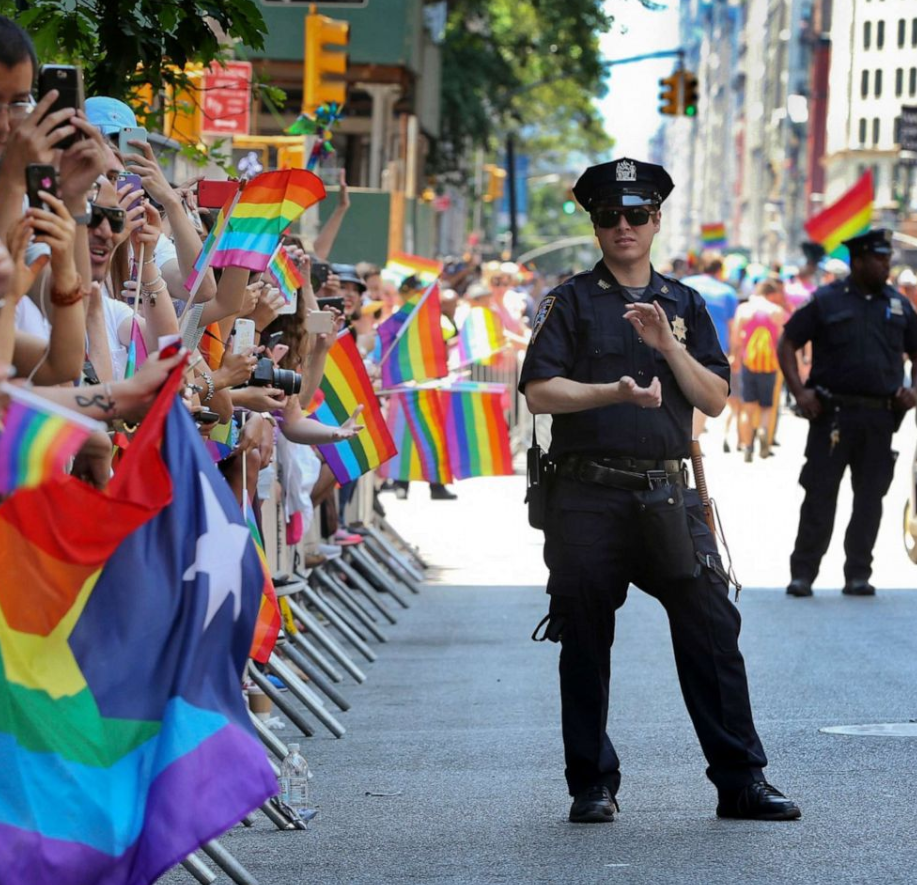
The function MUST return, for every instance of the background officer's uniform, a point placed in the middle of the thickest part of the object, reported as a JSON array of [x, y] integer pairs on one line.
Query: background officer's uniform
[[857, 344], [593, 544]]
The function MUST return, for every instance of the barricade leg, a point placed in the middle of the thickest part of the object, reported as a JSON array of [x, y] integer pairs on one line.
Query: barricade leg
[[307, 697], [409, 549], [391, 565], [268, 738], [226, 862], [327, 643], [337, 617], [194, 865], [342, 593], [313, 627], [295, 656], [315, 655], [397, 555], [280, 701], [375, 575], [357, 582]]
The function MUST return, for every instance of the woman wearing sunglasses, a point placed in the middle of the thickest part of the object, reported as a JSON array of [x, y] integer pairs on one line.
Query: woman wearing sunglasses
[[621, 356]]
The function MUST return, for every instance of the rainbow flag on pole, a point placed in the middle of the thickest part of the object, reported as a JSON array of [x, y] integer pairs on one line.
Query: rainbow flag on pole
[[125, 623], [267, 625], [285, 274], [481, 336], [848, 217], [401, 265], [413, 348], [37, 439], [713, 236], [345, 385], [476, 430], [418, 425]]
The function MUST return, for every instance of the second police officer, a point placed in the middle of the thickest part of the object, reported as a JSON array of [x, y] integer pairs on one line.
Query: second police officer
[[621, 356]]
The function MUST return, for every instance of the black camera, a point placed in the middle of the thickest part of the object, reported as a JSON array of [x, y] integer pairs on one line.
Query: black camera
[[266, 374]]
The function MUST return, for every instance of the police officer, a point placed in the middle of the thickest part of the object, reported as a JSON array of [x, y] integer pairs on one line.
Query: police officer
[[621, 356], [859, 328]]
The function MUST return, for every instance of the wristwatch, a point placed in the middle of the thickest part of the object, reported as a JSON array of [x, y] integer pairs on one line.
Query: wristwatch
[[86, 217]]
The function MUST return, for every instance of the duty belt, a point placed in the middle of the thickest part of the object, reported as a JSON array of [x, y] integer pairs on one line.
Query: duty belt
[[879, 403], [632, 474]]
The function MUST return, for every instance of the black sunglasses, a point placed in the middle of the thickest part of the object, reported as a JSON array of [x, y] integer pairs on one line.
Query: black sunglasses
[[609, 218], [114, 215]]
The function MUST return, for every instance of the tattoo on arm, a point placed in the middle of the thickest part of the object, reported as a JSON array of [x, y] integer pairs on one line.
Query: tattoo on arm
[[105, 403]]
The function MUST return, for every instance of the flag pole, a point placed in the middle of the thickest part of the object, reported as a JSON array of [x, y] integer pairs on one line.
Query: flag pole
[[192, 295], [407, 322]]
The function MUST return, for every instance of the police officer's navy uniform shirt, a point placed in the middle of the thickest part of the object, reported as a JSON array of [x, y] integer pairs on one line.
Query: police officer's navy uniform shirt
[[580, 333], [857, 340]]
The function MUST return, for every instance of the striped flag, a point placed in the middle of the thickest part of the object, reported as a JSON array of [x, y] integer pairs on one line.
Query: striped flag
[[267, 625], [418, 425], [476, 430], [713, 236], [401, 265], [413, 348], [285, 274], [346, 385], [848, 217], [481, 336]]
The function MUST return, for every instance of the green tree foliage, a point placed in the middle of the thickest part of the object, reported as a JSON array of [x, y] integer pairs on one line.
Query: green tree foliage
[[111, 38]]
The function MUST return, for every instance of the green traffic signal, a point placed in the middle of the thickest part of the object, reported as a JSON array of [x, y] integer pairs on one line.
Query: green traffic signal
[[569, 207]]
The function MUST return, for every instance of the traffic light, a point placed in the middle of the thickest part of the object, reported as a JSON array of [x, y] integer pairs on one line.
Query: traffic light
[[670, 87], [569, 207], [495, 180], [325, 62], [689, 94]]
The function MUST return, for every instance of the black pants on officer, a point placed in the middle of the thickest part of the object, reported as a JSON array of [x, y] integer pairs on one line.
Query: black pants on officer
[[862, 440], [595, 550]]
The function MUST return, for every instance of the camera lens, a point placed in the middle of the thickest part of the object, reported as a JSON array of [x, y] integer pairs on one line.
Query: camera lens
[[288, 381]]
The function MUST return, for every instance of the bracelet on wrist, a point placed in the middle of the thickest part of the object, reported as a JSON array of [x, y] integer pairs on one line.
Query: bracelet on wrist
[[67, 297], [211, 389]]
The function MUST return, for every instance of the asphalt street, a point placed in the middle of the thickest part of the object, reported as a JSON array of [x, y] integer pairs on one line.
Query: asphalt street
[[451, 770]]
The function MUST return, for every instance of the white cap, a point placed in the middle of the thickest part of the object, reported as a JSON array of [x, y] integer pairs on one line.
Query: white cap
[[907, 277], [836, 267]]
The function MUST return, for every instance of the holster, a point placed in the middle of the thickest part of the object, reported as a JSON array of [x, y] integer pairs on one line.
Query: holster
[[664, 525], [538, 476]]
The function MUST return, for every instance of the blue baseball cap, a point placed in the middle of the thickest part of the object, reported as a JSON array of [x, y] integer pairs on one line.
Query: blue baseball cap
[[109, 115]]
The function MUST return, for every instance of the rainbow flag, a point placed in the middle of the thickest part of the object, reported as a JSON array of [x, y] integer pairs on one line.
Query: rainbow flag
[[481, 336], [202, 262], [285, 274], [419, 426], [401, 265], [713, 236], [476, 430], [848, 217], [267, 625], [266, 206], [37, 439], [125, 739], [413, 348], [136, 352], [345, 385]]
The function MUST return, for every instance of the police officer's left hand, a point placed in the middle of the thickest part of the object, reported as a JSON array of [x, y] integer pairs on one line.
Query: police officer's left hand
[[905, 398], [652, 326]]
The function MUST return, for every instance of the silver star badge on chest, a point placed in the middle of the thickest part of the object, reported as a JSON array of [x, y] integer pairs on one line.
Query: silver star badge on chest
[[679, 330]]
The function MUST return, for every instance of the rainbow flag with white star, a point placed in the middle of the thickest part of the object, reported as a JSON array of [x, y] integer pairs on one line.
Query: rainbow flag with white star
[[126, 619]]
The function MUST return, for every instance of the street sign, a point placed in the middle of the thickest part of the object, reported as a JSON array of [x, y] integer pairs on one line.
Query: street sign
[[226, 99], [907, 132]]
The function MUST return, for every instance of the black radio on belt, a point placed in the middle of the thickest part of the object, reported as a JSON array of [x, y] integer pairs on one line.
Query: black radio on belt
[[538, 472]]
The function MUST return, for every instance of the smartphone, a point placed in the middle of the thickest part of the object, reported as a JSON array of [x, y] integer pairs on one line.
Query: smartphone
[[334, 301], [319, 321], [68, 81], [319, 274], [290, 307], [273, 340], [215, 193], [40, 177], [131, 133], [132, 179], [205, 416], [243, 335]]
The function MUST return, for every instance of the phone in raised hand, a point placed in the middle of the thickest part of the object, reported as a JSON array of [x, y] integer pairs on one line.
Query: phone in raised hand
[[243, 336]]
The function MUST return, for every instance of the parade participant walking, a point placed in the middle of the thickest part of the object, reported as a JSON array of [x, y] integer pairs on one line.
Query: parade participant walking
[[621, 356], [859, 328], [758, 324]]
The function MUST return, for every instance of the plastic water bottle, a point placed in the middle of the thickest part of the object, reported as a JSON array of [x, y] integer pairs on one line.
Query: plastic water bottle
[[294, 782]]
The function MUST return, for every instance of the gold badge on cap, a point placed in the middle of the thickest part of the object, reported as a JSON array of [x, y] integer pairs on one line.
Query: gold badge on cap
[[679, 330], [626, 171]]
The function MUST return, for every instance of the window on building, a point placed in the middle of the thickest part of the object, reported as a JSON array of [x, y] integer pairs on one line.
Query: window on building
[[867, 34], [880, 35], [899, 82], [875, 130], [862, 131], [878, 82], [902, 31], [864, 84], [912, 83]]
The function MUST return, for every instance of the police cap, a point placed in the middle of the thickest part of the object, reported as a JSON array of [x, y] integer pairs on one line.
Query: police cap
[[877, 242], [814, 252], [623, 183]]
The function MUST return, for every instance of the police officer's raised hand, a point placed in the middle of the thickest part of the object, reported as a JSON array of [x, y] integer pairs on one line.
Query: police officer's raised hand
[[905, 398], [809, 403], [645, 397], [652, 325]]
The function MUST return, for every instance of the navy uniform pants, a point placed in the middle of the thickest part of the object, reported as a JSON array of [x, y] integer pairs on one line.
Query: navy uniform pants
[[863, 441], [595, 549]]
